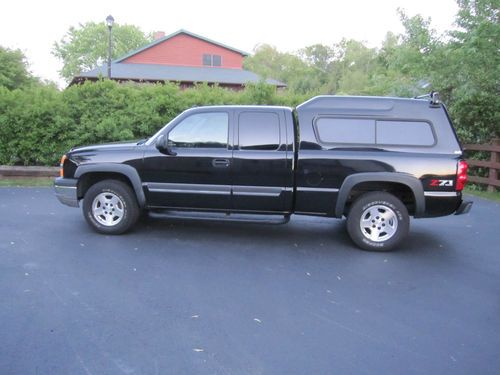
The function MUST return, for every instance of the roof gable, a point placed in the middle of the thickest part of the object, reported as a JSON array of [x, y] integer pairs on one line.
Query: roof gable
[[170, 36]]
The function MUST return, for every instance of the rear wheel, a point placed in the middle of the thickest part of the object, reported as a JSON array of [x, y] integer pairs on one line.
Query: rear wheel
[[378, 221], [110, 207]]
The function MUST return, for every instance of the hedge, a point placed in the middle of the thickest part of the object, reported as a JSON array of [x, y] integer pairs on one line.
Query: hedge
[[39, 124]]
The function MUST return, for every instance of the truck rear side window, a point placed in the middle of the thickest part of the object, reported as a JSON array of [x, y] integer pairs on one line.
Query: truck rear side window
[[343, 130], [374, 132], [405, 133], [259, 131]]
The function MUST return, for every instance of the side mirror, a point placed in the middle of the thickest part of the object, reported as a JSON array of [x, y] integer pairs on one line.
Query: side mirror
[[162, 145]]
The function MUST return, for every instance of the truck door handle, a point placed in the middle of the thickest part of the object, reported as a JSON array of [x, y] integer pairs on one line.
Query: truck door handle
[[220, 163]]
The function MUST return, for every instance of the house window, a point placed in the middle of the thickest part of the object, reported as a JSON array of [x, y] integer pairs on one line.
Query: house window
[[207, 59], [212, 60], [216, 60]]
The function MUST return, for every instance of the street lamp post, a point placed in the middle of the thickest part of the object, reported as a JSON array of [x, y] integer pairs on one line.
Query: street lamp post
[[109, 22]]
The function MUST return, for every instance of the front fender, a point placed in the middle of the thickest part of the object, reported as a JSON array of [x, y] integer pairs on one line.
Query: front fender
[[124, 169]]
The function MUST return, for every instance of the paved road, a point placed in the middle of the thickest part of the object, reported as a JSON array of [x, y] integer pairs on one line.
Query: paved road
[[178, 297]]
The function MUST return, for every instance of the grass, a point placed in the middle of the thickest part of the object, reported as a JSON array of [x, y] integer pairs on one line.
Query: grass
[[26, 181], [472, 190]]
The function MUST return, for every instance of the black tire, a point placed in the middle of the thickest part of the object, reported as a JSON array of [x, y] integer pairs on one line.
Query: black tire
[[378, 221], [110, 207]]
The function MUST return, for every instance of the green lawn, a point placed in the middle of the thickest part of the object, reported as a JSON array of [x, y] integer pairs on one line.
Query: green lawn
[[483, 194], [26, 181]]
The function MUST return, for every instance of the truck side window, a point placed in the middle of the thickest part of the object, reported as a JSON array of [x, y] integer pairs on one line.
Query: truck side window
[[345, 130], [259, 131], [201, 130], [405, 133]]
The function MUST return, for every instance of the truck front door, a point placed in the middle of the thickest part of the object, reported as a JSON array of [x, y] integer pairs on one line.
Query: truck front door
[[197, 173]]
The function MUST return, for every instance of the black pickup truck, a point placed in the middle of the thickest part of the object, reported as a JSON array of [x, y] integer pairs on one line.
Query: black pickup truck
[[374, 160]]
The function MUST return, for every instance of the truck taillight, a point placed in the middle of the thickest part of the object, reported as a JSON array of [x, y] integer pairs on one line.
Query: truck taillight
[[462, 174], [61, 166]]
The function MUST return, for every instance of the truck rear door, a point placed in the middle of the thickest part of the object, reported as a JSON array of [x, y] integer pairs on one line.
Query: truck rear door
[[262, 167]]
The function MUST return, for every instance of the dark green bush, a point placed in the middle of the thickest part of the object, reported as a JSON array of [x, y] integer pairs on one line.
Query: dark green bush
[[40, 123], [34, 126]]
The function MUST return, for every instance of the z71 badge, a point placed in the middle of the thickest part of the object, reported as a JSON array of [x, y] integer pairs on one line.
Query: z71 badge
[[441, 183]]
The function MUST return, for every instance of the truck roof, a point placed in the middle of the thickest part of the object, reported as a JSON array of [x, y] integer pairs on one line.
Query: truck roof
[[241, 107], [338, 103], [352, 103]]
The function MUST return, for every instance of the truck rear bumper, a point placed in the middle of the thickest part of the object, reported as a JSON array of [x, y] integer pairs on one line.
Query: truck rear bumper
[[66, 191], [464, 208]]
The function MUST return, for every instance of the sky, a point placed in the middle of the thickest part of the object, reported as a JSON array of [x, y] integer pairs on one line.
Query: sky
[[33, 25]]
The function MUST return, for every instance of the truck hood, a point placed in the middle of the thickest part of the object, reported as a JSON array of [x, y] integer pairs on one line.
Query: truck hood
[[105, 146]]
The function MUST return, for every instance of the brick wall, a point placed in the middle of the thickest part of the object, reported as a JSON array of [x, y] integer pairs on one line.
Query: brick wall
[[185, 50]]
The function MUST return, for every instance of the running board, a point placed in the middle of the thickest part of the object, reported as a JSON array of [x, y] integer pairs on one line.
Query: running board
[[222, 216]]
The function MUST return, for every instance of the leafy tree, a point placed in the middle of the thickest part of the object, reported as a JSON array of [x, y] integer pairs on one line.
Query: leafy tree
[[14, 69], [474, 46], [463, 65], [319, 56], [470, 74], [321, 59], [353, 67], [86, 47], [408, 63], [268, 62]]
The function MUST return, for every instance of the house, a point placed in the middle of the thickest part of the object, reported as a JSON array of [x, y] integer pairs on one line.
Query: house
[[182, 57]]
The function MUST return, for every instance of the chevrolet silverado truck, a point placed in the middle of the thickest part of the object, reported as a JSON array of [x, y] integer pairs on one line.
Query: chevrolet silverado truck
[[374, 160]]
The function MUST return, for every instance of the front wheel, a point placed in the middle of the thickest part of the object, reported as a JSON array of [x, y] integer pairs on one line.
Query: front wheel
[[378, 221], [110, 207]]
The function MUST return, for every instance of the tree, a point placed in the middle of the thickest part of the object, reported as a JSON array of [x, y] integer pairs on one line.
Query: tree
[[471, 76], [268, 62], [86, 47], [319, 56], [474, 46], [353, 67], [407, 64], [14, 69]]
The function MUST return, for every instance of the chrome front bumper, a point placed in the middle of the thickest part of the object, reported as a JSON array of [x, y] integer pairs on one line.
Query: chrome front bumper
[[66, 191]]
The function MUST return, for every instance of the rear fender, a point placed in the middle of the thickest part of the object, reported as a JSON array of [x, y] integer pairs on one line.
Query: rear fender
[[410, 181]]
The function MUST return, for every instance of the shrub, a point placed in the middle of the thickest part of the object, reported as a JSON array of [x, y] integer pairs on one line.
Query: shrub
[[40, 123]]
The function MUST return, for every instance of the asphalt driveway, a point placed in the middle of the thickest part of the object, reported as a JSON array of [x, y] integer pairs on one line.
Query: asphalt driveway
[[181, 297]]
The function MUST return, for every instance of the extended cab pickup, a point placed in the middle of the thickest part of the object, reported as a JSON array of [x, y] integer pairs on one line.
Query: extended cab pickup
[[374, 160]]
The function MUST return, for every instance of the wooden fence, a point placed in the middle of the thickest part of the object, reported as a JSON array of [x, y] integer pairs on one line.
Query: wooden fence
[[492, 182], [20, 172], [493, 164]]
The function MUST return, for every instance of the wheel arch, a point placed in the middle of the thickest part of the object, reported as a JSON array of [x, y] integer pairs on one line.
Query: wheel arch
[[380, 181], [88, 175]]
